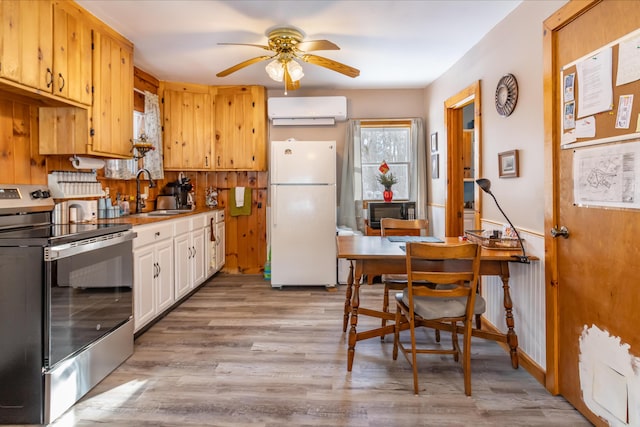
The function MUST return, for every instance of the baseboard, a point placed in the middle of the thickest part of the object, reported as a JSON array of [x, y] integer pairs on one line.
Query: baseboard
[[526, 362]]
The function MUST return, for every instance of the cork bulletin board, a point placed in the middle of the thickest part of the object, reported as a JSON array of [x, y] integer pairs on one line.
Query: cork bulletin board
[[608, 109]]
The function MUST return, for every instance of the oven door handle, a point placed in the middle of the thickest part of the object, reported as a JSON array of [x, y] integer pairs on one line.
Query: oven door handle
[[74, 248]]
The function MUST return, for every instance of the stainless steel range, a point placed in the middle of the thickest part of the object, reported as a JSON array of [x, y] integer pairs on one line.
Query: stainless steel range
[[66, 316]]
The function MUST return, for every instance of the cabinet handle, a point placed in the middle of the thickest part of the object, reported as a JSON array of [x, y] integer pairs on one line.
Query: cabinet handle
[[206, 161], [218, 160], [157, 234], [159, 270], [194, 251], [49, 77], [155, 270], [189, 251], [61, 79]]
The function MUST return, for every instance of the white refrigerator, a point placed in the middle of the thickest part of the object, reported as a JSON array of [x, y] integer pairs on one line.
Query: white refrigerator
[[303, 213]]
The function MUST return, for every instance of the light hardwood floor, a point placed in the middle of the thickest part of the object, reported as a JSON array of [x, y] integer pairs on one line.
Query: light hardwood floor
[[239, 353]]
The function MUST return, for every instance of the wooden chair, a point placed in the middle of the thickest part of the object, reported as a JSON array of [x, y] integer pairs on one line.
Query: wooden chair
[[399, 227], [455, 270]]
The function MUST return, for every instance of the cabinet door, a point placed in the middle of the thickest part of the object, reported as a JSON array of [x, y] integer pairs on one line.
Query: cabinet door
[[240, 117], [220, 245], [182, 264], [71, 56], [198, 259], [188, 129], [145, 271], [26, 55], [164, 278], [112, 115]]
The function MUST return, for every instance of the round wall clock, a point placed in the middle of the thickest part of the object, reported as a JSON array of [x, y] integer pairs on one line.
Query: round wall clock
[[506, 95]]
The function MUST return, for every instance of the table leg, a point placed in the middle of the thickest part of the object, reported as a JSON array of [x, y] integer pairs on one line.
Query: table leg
[[355, 303], [347, 301], [512, 338]]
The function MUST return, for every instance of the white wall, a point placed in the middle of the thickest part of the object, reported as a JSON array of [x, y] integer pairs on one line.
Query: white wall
[[513, 46]]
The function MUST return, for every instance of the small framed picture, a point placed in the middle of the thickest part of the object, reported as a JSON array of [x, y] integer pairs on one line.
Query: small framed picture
[[434, 142], [435, 166], [508, 164]]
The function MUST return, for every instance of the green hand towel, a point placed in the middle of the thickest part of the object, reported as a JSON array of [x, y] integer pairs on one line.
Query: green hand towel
[[245, 209]]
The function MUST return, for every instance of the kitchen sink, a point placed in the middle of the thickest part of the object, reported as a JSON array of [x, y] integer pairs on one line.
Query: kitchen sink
[[162, 212]]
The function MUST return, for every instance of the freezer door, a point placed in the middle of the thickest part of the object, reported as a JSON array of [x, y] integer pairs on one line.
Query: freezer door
[[303, 235], [303, 162]]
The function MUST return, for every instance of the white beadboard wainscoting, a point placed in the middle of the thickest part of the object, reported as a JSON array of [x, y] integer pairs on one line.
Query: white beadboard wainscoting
[[528, 295]]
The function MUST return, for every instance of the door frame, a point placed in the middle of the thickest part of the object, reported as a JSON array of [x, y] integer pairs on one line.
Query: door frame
[[454, 198], [552, 90]]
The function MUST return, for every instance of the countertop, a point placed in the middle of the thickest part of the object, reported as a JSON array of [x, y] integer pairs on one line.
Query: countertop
[[140, 220]]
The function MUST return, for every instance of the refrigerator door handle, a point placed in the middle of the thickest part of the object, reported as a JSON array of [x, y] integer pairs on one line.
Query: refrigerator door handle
[[274, 210]]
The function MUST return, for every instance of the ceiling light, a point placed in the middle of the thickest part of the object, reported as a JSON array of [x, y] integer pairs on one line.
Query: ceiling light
[[295, 70], [276, 70]]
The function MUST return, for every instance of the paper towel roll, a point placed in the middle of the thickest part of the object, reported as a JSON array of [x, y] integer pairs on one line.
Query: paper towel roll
[[73, 215], [86, 162]]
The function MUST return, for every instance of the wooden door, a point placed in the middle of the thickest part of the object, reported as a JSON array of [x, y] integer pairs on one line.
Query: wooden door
[[592, 297]]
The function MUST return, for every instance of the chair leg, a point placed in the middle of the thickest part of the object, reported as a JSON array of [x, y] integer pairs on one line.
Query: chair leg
[[437, 335], [396, 334], [466, 364], [414, 359], [385, 306]]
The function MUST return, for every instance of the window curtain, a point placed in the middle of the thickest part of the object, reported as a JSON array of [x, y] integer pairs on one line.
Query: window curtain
[[350, 212], [147, 123], [347, 208], [152, 128]]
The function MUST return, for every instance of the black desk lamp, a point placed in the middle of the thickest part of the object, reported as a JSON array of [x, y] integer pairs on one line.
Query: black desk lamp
[[485, 184]]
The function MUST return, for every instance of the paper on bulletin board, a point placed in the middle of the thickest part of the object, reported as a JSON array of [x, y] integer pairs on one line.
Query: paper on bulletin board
[[594, 80], [628, 61], [607, 175]]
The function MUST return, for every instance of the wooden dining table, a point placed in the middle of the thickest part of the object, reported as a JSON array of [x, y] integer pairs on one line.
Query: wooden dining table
[[375, 255]]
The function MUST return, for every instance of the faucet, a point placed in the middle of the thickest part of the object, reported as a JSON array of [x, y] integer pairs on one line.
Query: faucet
[[139, 201]]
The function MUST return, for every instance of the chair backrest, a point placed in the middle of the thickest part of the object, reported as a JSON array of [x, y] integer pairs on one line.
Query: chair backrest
[[403, 227], [455, 265]]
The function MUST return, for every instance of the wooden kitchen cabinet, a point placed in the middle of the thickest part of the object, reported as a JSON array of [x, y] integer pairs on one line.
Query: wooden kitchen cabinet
[[112, 112], [72, 66], [105, 129], [47, 47], [188, 126], [240, 128], [26, 56]]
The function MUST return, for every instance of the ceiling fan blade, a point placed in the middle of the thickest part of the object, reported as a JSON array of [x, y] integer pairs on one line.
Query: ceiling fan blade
[[331, 64], [241, 65], [288, 83], [246, 44], [317, 45]]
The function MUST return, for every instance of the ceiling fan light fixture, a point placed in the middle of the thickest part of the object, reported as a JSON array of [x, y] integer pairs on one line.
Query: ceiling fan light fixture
[[275, 70], [295, 70]]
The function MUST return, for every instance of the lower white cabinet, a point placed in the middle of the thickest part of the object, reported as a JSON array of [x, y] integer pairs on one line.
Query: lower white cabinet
[[153, 272], [171, 258], [189, 254], [220, 240]]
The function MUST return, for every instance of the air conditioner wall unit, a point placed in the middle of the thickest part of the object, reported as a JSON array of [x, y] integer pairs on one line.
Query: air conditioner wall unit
[[307, 110]]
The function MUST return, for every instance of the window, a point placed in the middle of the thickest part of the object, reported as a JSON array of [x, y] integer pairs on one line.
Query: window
[[388, 141]]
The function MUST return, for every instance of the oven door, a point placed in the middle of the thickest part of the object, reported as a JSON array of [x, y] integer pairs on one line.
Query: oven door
[[88, 292]]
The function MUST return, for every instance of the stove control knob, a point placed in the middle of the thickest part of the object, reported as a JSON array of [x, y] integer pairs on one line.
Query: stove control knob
[[36, 194], [46, 194]]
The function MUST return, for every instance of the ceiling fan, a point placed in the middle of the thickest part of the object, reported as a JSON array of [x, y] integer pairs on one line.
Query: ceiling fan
[[287, 46]]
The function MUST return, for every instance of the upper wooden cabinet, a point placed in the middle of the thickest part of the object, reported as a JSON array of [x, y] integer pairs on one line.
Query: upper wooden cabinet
[[188, 126], [26, 55], [47, 47], [241, 128], [71, 77], [112, 112]]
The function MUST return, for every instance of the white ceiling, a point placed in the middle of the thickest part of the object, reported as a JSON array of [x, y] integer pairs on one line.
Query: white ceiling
[[394, 44]]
